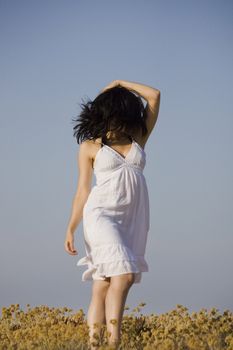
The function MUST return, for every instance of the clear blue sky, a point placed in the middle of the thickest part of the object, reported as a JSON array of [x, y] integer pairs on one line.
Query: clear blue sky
[[53, 54]]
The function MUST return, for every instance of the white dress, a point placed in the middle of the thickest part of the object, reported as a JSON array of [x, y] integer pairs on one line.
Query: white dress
[[116, 215]]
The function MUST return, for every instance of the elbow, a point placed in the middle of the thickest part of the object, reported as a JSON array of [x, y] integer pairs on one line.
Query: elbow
[[156, 93], [154, 96]]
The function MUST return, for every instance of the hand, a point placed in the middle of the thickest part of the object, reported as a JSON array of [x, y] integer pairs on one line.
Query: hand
[[111, 85], [69, 244]]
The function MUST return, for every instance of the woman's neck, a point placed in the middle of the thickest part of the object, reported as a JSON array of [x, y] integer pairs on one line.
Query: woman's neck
[[112, 136]]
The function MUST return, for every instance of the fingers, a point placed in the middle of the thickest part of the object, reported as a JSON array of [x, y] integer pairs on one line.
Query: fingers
[[111, 85], [72, 248], [69, 247]]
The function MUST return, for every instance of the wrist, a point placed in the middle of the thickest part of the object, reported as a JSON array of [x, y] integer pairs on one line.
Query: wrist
[[120, 82], [126, 84], [69, 232]]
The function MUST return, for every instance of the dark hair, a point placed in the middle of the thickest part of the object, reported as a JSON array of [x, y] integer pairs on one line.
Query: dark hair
[[115, 109]]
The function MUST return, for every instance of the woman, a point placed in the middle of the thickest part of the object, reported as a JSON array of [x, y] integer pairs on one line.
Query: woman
[[115, 211]]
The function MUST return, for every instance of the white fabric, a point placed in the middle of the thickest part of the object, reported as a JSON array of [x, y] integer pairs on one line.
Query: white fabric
[[116, 215]]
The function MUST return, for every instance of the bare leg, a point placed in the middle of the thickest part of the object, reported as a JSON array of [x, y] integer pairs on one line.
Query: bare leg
[[96, 311], [114, 305]]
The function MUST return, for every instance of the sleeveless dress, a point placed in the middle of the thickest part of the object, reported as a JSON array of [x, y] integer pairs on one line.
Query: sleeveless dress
[[116, 215]]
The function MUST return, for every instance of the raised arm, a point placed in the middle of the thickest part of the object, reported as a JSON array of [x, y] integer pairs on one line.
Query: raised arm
[[150, 94], [147, 92]]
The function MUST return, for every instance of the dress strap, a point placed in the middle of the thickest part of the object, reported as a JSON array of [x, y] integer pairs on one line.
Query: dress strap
[[102, 144]]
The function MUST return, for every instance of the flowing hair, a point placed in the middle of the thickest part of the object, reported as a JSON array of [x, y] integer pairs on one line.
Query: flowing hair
[[115, 109]]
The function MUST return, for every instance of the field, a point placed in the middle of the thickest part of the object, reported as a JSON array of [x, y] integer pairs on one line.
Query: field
[[50, 328]]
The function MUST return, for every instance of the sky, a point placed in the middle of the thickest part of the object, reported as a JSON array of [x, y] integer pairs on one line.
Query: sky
[[56, 53]]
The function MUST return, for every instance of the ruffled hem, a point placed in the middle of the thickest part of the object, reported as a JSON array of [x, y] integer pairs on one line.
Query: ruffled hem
[[111, 260]]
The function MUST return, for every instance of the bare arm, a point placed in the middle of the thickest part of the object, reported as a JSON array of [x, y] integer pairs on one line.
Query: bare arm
[[80, 197], [150, 94], [145, 91]]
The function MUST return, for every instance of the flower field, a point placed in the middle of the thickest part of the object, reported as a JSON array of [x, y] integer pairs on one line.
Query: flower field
[[50, 328]]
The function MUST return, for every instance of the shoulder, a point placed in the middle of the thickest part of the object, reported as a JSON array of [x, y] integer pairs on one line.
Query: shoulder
[[87, 144], [90, 147]]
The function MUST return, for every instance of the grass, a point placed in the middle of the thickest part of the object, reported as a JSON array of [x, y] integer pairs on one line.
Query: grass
[[49, 328]]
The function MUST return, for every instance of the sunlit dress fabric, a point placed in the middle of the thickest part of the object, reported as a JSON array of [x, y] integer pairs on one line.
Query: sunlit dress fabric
[[116, 215]]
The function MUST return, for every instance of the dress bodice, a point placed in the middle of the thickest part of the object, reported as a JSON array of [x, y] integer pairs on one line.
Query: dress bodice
[[108, 160]]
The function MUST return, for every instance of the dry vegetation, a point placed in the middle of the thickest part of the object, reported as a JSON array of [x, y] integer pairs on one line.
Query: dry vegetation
[[50, 328]]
